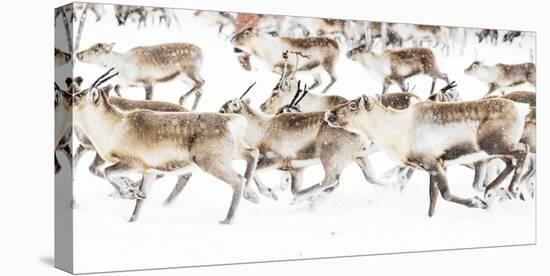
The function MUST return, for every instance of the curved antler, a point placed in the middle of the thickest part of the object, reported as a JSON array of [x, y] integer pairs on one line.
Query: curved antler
[[247, 90], [95, 83], [298, 55], [285, 57]]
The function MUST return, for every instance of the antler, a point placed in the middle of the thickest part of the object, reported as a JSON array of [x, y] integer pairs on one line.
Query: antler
[[303, 94], [449, 86], [411, 89], [298, 55], [246, 92], [285, 57], [296, 95], [95, 83]]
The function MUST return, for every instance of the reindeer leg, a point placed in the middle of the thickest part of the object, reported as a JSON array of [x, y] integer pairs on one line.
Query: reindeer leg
[[251, 157], [328, 65], [192, 73], [316, 81], [480, 169], [146, 181], [519, 152], [94, 168], [527, 175], [264, 190], [221, 167], [297, 178], [148, 91], [113, 173], [180, 184], [438, 174], [81, 150], [433, 195], [368, 173], [57, 165], [490, 191]]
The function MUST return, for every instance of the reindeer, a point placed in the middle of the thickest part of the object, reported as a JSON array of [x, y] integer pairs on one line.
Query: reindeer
[[323, 52], [430, 136], [487, 33], [124, 105], [153, 143], [284, 91], [63, 123], [123, 13], [510, 36], [312, 141], [398, 65], [61, 58], [147, 65], [502, 75]]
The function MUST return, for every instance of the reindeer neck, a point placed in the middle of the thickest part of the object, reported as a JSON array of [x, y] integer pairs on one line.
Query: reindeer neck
[[102, 125], [115, 59], [388, 128], [258, 123]]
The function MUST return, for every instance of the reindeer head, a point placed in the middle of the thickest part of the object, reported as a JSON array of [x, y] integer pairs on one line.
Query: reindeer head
[[61, 57], [94, 96], [356, 52], [354, 113], [293, 106], [245, 37], [96, 54], [237, 105], [473, 68], [283, 91]]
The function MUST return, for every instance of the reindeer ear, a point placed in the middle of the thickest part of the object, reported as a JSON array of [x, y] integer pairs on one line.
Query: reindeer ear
[[366, 102], [78, 80], [68, 82], [105, 90]]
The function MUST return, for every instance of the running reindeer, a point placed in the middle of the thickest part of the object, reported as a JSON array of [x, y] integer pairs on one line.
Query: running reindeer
[[323, 52], [150, 142], [96, 167], [313, 141], [395, 66], [502, 75], [147, 65], [430, 136], [285, 89]]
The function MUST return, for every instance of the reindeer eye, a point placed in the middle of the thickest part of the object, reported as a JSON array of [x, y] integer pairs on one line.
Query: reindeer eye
[[94, 95], [352, 106], [246, 32], [275, 93]]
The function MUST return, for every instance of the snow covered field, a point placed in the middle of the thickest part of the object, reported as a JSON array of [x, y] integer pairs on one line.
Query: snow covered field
[[356, 219]]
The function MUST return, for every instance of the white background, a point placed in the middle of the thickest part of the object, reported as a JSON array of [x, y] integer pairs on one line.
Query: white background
[[27, 203]]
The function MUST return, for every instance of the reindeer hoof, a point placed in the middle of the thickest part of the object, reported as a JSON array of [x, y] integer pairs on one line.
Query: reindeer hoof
[[479, 203], [269, 194], [252, 197], [225, 222]]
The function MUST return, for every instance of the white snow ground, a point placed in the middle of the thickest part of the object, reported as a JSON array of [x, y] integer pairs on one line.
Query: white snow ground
[[358, 218]]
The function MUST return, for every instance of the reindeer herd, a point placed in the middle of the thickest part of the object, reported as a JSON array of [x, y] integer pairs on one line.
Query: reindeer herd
[[294, 129]]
